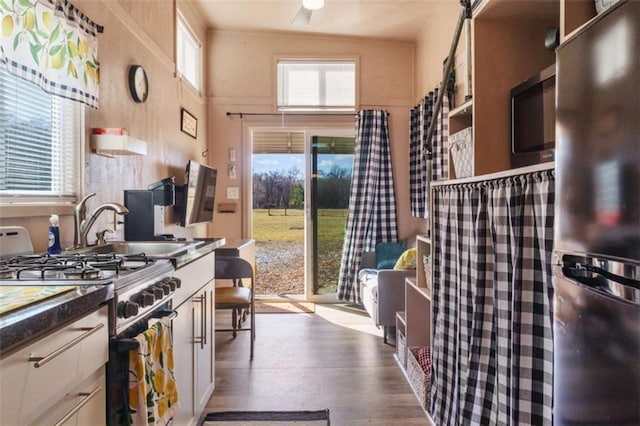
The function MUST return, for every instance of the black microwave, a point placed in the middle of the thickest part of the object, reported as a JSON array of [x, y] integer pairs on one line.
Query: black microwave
[[533, 119]]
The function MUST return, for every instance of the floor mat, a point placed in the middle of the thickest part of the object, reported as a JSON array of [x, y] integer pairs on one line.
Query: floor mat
[[300, 418], [285, 307]]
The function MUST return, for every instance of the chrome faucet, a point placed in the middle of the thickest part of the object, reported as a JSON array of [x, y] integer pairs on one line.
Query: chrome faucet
[[83, 224]]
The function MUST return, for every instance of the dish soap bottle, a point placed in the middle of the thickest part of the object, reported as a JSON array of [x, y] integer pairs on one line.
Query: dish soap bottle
[[54, 235]]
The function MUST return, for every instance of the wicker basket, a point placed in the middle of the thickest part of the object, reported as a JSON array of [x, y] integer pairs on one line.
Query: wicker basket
[[401, 349], [461, 148], [419, 379], [426, 263]]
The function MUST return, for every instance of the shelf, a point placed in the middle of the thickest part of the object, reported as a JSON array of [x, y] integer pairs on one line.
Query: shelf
[[423, 246], [423, 291], [110, 145], [424, 239], [574, 15], [417, 305], [464, 110]]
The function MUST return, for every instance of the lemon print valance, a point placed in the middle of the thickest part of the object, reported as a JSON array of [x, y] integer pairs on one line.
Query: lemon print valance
[[53, 44]]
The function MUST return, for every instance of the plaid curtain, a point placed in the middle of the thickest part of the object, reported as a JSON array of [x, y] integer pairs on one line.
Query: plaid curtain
[[492, 312], [372, 206], [425, 166]]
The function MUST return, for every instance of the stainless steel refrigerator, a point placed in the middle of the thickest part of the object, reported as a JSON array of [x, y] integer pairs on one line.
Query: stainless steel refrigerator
[[597, 223]]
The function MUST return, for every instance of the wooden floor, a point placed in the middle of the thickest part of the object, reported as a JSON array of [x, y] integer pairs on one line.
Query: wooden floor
[[332, 359]]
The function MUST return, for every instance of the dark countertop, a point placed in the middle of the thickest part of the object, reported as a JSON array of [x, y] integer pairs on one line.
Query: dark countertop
[[25, 324], [210, 245]]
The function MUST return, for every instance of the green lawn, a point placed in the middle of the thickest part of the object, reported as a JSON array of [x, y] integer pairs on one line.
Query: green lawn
[[278, 227]]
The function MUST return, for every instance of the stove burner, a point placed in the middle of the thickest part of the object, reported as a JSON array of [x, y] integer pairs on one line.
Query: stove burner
[[83, 272], [5, 271], [82, 267], [34, 259], [41, 270]]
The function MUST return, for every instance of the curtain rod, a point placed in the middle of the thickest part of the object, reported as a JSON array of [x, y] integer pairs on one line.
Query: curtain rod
[[278, 114]]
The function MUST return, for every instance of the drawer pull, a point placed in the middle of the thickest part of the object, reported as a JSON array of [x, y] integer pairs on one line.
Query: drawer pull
[[88, 397], [40, 361]]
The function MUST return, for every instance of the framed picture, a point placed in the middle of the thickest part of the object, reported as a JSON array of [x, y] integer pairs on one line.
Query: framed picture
[[188, 123]]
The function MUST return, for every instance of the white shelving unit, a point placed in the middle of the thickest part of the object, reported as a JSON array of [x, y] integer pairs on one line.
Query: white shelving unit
[[111, 145]]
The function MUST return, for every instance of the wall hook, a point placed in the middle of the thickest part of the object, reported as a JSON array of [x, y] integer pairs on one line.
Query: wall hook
[[205, 152]]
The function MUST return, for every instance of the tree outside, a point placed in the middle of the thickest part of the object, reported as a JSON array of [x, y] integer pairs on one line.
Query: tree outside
[[278, 228]]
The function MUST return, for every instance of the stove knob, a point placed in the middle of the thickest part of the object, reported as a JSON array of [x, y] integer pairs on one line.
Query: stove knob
[[177, 281], [157, 292], [146, 299], [166, 289], [128, 310], [169, 282]]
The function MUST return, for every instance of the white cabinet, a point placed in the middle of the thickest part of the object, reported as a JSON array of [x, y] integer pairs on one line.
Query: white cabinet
[[203, 351], [194, 350], [59, 376]]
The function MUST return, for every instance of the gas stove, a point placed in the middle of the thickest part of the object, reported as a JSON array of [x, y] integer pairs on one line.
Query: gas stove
[[77, 269], [140, 283]]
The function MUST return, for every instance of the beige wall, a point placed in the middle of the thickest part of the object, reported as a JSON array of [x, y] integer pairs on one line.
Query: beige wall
[[241, 79], [135, 33], [393, 75], [432, 47]]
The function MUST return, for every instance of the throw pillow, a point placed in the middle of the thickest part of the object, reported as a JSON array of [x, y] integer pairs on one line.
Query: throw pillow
[[387, 254], [407, 260]]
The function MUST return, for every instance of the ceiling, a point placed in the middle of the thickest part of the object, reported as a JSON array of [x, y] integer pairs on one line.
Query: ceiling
[[381, 19]]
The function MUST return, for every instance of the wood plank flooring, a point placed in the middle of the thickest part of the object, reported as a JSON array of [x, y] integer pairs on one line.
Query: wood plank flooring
[[334, 358]]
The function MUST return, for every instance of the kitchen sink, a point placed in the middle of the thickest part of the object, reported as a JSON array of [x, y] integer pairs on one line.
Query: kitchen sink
[[157, 249]]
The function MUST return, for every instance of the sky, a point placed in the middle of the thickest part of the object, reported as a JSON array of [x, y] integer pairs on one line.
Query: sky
[[264, 163]]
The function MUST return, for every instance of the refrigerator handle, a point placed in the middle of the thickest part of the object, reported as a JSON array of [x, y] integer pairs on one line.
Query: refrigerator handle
[[608, 275]]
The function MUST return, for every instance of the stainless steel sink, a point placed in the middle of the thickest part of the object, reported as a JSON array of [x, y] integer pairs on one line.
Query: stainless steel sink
[[158, 249]]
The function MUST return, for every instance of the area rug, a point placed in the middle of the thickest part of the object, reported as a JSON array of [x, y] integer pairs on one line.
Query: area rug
[[257, 418], [285, 307]]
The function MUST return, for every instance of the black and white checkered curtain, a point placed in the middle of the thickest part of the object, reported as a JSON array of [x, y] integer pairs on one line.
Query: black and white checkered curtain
[[492, 340], [423, 165], [372, 205]]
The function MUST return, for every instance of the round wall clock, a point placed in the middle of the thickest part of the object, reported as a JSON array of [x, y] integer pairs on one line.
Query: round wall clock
[[138, 83]]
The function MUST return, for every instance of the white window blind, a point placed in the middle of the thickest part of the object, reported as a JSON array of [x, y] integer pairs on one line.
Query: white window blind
[[189, 55], [317, 85], [40, 144]]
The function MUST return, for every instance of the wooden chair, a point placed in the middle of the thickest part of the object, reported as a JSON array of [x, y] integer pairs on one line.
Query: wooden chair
[[239, 298]]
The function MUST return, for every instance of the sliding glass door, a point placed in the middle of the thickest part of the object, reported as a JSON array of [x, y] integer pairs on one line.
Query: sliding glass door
[[331, 170]]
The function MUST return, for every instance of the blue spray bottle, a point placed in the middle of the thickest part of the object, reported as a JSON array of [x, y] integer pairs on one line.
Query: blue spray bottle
[[54, 235]]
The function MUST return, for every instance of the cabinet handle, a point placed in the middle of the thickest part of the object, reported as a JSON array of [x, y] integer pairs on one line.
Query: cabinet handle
[[204, 321], [40, 361], [202, 338], [88, 397]]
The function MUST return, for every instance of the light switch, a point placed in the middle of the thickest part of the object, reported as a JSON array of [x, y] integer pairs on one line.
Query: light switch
[[233, 193]]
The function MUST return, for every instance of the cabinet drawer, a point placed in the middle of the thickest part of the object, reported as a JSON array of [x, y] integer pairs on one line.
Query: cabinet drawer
[[39, 375], [194, 276], [84, 405]]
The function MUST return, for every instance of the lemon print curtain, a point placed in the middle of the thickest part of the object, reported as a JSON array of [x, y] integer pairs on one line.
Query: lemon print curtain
[[52, 44]]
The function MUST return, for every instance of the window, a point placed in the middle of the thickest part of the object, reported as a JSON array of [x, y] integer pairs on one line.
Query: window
[[189, 55], [40, 144], [317, 85]]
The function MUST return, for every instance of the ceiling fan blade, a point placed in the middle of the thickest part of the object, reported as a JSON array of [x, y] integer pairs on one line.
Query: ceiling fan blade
[[303, 17]]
